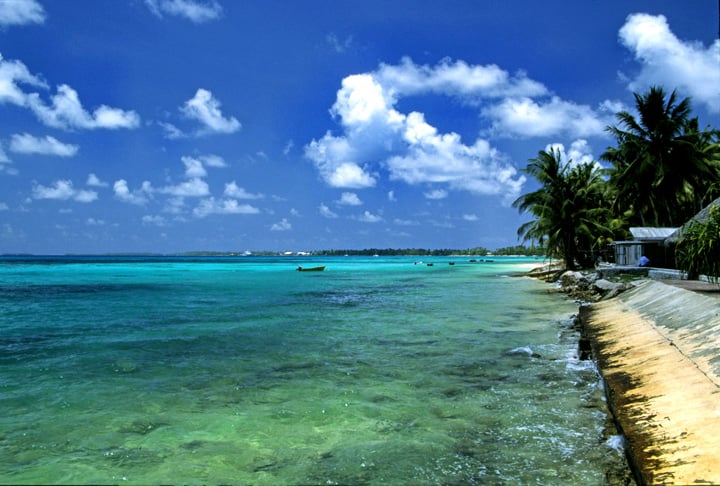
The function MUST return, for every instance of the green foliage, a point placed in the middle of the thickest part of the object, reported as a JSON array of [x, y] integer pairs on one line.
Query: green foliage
[[520, 250], [401, 252], [698, 251], [572, 219], [664, 167]]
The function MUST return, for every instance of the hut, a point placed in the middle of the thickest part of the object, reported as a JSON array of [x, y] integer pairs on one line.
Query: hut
[[648, 242]]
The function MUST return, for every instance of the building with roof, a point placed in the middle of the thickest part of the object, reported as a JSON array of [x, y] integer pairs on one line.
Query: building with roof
[[648, 242]]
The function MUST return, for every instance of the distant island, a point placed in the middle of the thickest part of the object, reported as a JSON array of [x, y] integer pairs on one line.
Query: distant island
[[519, 250]]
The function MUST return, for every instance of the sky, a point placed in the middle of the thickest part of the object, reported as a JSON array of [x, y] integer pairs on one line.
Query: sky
[[185, 125]]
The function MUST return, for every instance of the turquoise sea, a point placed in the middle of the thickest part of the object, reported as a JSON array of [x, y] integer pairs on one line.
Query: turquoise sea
[[241, 370]]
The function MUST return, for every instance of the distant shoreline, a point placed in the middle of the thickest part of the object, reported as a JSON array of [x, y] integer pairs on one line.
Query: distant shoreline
[[320, 253]]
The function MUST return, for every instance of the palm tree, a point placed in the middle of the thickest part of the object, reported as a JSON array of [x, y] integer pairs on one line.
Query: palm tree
[[569, 210], [663, 164]]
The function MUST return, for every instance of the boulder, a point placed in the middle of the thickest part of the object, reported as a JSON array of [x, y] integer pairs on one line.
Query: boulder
[[608, 289], [570, 278]]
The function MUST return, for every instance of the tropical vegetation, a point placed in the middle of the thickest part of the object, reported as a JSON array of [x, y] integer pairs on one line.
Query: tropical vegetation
[[698, 250], [663, 170], [571, 214]]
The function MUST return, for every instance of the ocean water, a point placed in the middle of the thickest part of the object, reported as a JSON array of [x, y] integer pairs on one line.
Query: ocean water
[[242, 370]]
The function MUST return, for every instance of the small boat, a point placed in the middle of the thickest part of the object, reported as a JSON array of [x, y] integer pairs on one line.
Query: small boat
[[311, 269]]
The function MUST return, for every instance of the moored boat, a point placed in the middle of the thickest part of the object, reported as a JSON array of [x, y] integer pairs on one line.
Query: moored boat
[[311, 269]]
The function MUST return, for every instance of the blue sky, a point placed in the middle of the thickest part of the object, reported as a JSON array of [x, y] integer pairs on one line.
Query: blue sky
[[180, 125]]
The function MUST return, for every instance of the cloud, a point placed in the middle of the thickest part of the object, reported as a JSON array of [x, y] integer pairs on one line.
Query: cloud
[[283, 225], [224, 206], [21, 12], [368, 217], [139, 196], [237, 192], [28, 144], [579, 152], [4, 159], [438, 159], [377, 136], [405, 222], [203, 107], [349, 199], [63, 190], [13, 74], [436, 194], [95, 222], [337, 45], [526, 117], [94, 181], [326, 212], [666, 60], [470, 217], [193, 167], [156, 220], [212, 160], [171, 131], [194, 187], [66, 111], [458, 78], [210, 206], [196, 11]]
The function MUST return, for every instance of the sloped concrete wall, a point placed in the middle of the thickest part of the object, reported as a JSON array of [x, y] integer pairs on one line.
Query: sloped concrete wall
[[658, 348]]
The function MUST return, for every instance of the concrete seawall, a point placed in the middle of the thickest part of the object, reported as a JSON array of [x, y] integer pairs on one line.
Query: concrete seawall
[[658, 348]]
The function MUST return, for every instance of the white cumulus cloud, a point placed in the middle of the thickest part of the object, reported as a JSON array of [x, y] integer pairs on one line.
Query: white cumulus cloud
[[436, 194], [237, 192], [349, 199], [529, 118], [223, 206], [212, 160], [138, 196], [21, 12], [205, 108], [378, 136], [368, 217], [28, 144], [670, 62], [94, 181], [283, 225], [470, 82], [326, 212], [63, 190], [66, 111], [194, 187], [193, 167], [579, 152], [12, 75], [196, 11]]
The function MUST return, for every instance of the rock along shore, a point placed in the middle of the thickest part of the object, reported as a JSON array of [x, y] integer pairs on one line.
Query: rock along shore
[[657, 347]]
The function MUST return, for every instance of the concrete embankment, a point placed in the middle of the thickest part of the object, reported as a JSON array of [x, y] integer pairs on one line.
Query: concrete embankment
[[658, 348]]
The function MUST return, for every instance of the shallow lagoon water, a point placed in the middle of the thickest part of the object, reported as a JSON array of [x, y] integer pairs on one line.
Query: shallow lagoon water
[[242, 370]]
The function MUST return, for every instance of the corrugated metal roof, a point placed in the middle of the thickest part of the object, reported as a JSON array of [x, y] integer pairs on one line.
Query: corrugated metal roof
[[645, 233]]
